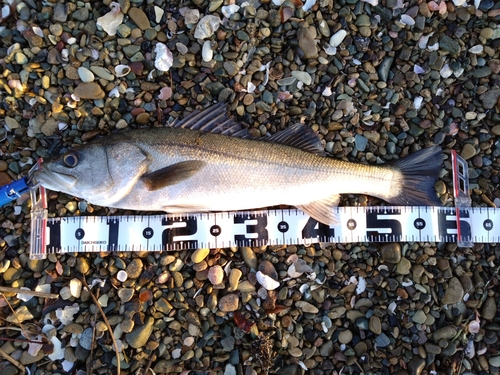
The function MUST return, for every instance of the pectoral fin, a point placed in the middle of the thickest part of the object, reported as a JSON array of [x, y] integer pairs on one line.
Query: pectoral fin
[[321, 210], [172, 174]]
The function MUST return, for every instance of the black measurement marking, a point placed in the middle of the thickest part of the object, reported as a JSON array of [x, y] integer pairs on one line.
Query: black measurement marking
[[114, 227], [488, 224], [54, 243], [377, 225], [168, 236], [215, 230], [248, 238], [351, 224], [79, 234], [283, 226], [315, 229], [148, 233], [419, 223]]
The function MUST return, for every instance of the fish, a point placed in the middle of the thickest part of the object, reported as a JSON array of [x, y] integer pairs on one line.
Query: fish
[[209, 162]]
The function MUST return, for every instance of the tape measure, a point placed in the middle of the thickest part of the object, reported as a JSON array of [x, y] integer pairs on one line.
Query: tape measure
[[462, 224], [266, 227]]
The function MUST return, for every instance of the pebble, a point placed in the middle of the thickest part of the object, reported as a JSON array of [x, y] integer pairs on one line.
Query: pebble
[[140, 334], [234, 278], [229, 302], [85, 74], [391, 252], [454, 293], [489, 309], [419, 317], [215, 275], [403, 267], [249, 257], [199, 255], [138, 16], [134, 268], [102, 73], [416, 365], [89, 90], [345, 337]]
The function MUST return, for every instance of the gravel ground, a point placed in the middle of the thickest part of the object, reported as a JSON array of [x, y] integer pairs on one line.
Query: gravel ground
[[376, 79]]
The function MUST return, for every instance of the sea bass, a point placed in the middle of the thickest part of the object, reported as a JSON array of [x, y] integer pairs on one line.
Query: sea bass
[[208, 162]]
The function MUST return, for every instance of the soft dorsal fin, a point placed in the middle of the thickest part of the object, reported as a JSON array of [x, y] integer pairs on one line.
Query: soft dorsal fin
[[299, 136], [212, 120]]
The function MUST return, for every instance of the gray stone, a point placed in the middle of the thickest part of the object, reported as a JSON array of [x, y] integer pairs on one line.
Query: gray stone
[[86, 339], [384, 68], [448, 44], [140, 334], [416, 365]]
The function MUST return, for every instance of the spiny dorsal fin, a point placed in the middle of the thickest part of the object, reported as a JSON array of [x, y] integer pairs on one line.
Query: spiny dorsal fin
[[299, 136], [212, 120], [172, 174], [215, 120]]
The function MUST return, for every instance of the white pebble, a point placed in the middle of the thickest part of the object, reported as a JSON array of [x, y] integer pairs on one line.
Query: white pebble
[[308, 5], [188, 341], [446, 71], [85, 74], [337, 38], [176, 353], [122, 276], [207, 53], [65, 292], [459, 3], [417, 69], [417, 102], [75, 286], [267, 282], [477, 49], [407, 20], [361, 285], [229, 10], [158, 13]]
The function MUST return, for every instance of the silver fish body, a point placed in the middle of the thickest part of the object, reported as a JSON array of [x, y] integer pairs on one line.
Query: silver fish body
[[178, 169]]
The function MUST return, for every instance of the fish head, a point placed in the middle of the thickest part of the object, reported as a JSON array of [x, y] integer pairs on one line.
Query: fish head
[[99, 173]]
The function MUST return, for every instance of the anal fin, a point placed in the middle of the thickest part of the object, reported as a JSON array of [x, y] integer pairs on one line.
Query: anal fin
[[321, 210], [172, 174]]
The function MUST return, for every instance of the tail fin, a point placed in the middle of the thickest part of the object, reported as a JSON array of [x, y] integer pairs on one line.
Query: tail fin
[[420, 172]]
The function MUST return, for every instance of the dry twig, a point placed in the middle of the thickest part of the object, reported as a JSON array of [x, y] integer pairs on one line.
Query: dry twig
[[7, 289], [106, 321], [13, 361]]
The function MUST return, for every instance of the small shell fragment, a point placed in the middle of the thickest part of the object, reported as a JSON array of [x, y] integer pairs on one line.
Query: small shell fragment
[[122, 70], [229, 10], [477, 49], [267, 282], [111, 20], [206, 27], [407, 20], [164, 58]]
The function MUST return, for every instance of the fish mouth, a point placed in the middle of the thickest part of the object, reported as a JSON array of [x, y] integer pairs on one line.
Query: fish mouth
[[55, 180]]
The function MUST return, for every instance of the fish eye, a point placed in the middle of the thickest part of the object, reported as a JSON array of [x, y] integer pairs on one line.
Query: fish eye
[[71, 159]]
